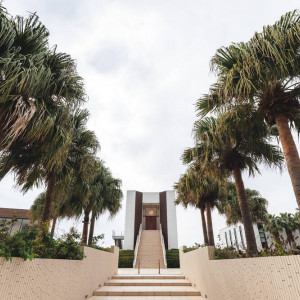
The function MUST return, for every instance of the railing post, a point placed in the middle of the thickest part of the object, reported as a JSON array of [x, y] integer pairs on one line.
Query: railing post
[[139, 266], [158, 266]]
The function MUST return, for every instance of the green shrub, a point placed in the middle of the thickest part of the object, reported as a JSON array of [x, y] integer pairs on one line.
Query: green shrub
[[172, 257], [37, 242], [126, 258]]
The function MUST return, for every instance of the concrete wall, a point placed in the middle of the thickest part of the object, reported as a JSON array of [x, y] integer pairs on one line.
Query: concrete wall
[[276, 278], [129, 220], [57, 279]]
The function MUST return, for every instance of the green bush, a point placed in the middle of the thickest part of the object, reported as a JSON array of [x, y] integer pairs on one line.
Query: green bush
[[126, 258], [172, 257], [37, 242]]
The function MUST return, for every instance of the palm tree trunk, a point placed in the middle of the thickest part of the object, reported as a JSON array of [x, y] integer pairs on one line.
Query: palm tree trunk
[[49, 198], [290, 237], [211, 240], [290, 153], [91, 234], [204, 226], [85, 226], [53, 226], [245, 211]]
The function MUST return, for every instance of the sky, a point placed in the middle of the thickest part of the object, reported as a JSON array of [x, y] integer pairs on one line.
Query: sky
[[145, 63]]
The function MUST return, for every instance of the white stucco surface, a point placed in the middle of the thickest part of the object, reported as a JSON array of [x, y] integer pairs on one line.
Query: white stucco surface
[[149, 197], [153, 198], [172, 221], [129, 220]]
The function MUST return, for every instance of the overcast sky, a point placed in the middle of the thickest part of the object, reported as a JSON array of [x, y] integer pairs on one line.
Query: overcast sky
[[145, 63]]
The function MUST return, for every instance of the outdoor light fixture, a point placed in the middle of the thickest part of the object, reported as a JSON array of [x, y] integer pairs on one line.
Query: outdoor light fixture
[[151, 212]]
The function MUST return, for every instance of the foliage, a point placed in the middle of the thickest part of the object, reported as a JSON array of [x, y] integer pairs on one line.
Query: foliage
[[194, 247], [229, 205], [172, 257], [126, 258], [96, 240], [35, 242]]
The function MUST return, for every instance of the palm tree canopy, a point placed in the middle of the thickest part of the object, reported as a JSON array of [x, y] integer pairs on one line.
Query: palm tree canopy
[[197, 186], [264, 71], [236, 139], [230, 207]]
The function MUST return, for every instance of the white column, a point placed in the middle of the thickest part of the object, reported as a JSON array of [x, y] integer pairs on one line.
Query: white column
[[129, 220]]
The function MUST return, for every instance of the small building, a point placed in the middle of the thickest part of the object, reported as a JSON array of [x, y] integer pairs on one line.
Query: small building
[[118, 237], [150, 211], [21, 216], [234, 236]]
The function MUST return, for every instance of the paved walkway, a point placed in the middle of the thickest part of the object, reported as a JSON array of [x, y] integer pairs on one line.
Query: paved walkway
[[150, 285]]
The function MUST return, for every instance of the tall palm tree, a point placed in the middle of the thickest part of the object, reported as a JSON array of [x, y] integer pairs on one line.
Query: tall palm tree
[[274, 225], [290, 224], [200, 189], [235, 141], [231, 209], [106, 197], [35, 81], [71, 155], [265, 71]]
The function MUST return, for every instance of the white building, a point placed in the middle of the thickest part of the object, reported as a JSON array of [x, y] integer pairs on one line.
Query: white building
[[21, 216], [234, 236], [151, 211]]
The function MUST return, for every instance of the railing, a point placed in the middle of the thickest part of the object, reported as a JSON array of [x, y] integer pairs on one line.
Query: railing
[[137, 246], [163, 245]]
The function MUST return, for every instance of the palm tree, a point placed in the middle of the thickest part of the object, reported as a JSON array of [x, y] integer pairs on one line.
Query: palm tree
[[106, 197], [289, 223], [71, 155], [235, 141], [265, 72], [36, 81], [274, 225], [202, 190], [231, 209], [36, 209]]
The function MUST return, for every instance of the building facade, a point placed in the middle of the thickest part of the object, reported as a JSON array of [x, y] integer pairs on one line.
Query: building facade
[[150, 211], [234, 236], [20, 216]]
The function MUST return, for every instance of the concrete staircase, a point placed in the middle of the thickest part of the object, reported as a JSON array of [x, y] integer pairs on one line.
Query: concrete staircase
[[147, 287], [150, 250]]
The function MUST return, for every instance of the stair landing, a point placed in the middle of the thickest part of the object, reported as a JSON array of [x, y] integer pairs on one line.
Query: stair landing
[[168, 285]]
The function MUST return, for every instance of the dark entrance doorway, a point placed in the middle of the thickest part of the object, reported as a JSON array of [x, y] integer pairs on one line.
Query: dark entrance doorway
[[151, 223]]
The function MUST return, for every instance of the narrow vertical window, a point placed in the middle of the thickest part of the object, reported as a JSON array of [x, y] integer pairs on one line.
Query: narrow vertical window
[[230, 236], [226, 239], [242, 237], [236, 239]]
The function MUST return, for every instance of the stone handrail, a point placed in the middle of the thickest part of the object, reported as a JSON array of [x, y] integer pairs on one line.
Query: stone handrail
[[163, 245], [137, 246]]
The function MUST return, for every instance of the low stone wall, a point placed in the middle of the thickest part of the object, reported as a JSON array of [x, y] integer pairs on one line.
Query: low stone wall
[[276, 278], [57, 279]]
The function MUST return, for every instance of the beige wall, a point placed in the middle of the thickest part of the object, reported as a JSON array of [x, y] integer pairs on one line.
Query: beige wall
[[276, 278], [57, 279]]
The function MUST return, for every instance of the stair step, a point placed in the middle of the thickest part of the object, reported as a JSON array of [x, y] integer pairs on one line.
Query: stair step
[[145, 276], [146, 291], [147, 282], [145, 298]]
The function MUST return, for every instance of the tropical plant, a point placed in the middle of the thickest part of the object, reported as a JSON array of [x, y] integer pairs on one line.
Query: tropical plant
[[265, 72], [235, 141], [289, 223], [106, 197], [231, 209], [75, 158], [274, 226], [200, 189]]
